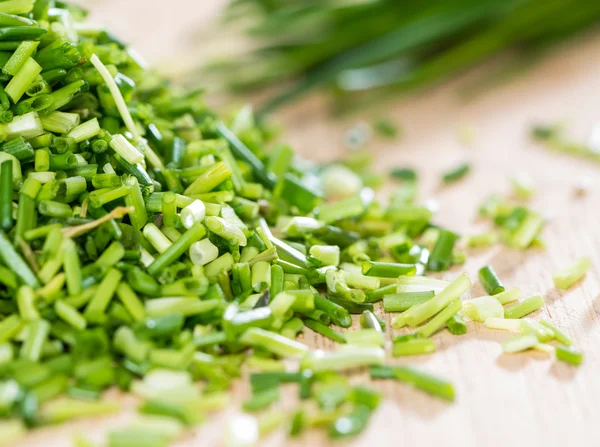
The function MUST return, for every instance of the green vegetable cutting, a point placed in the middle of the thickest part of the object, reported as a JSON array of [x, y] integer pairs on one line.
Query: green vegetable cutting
[[148, 244]]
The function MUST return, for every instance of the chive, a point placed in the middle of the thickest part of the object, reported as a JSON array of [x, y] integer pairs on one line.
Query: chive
[[482, 308], [261, 400], [373, 296], [524, 307], [508, 296], [570, 275], [560, 336], [569, 355], [456, 325], [456, 173], [418, 379], [441, 256], [387, 269], [326, 331], [400, 302], [320, 361], [413, 346], [338, 315], [422, 312], [15, 263], [519, 343], [490, 281], [6, 202], [273, 342]]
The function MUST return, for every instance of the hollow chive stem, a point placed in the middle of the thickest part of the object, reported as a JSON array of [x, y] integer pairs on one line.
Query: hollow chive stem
[[292, 328], [321, 361], [15, 262], [456, 325], [559, 335], [274, 343], [412, 346], [6, 201], [490, 281], [508, 296], [438, 321], [399, 302], [95, 310], [387, 269], [242, 152], [422, 312], [418, 379], [440, 258], [325, 331], [368, 320], [178, 248], [572, 274], [569, 355], [373, 296], [524, 307]]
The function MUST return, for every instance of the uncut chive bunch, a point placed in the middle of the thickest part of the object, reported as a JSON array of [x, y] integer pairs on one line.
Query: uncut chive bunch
[[370, 50], [147, 244]]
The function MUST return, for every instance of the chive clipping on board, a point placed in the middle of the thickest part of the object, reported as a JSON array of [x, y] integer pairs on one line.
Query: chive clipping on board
[[147, 244]]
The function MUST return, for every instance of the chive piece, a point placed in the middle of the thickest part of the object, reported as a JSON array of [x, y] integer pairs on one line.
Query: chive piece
[[415, 346], [524, 307], [399, 302], [320, 361], [177, 248], [569, 355], [570, 275], [373, 296], [274, 343], [440, 258], [388, 269], [456, 173], [6, 202], [508, 296], [519, 343], [326, 331], [490, 281], [482, 308], [261, 400], [422, 312], [559, 335], [16, 264], [438, 321], [456, 325]]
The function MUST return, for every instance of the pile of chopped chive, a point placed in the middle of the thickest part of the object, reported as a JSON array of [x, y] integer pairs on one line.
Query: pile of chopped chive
[[147, 244]]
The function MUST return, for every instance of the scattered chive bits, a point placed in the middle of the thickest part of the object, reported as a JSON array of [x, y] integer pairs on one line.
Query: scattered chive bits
[[147, 244]]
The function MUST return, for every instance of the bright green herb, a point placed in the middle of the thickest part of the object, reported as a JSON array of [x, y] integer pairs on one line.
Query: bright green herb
[[569, 355], [570, 275]]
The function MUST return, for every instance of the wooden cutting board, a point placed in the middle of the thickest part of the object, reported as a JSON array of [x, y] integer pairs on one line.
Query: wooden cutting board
[[524, 399]]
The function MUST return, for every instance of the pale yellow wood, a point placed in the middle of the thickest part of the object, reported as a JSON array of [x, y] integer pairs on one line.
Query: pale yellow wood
[[518, 400]]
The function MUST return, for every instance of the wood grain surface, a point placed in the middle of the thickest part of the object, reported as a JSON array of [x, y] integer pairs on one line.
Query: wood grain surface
[[502, 400]]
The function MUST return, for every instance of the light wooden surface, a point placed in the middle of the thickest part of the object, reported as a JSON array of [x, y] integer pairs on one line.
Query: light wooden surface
[[502, 400]]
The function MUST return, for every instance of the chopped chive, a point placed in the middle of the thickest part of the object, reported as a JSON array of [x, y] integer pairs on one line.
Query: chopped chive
[[508, 296], [387, 269], [482, 308], [570, 275], [438, 321], [399, 302], [569, 355], [456, 325], [418, 379], [490, 281], [416, 315], [560, 336], [457, 173], [325, 331], [441, 256], [524, 307], [519, 343]]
